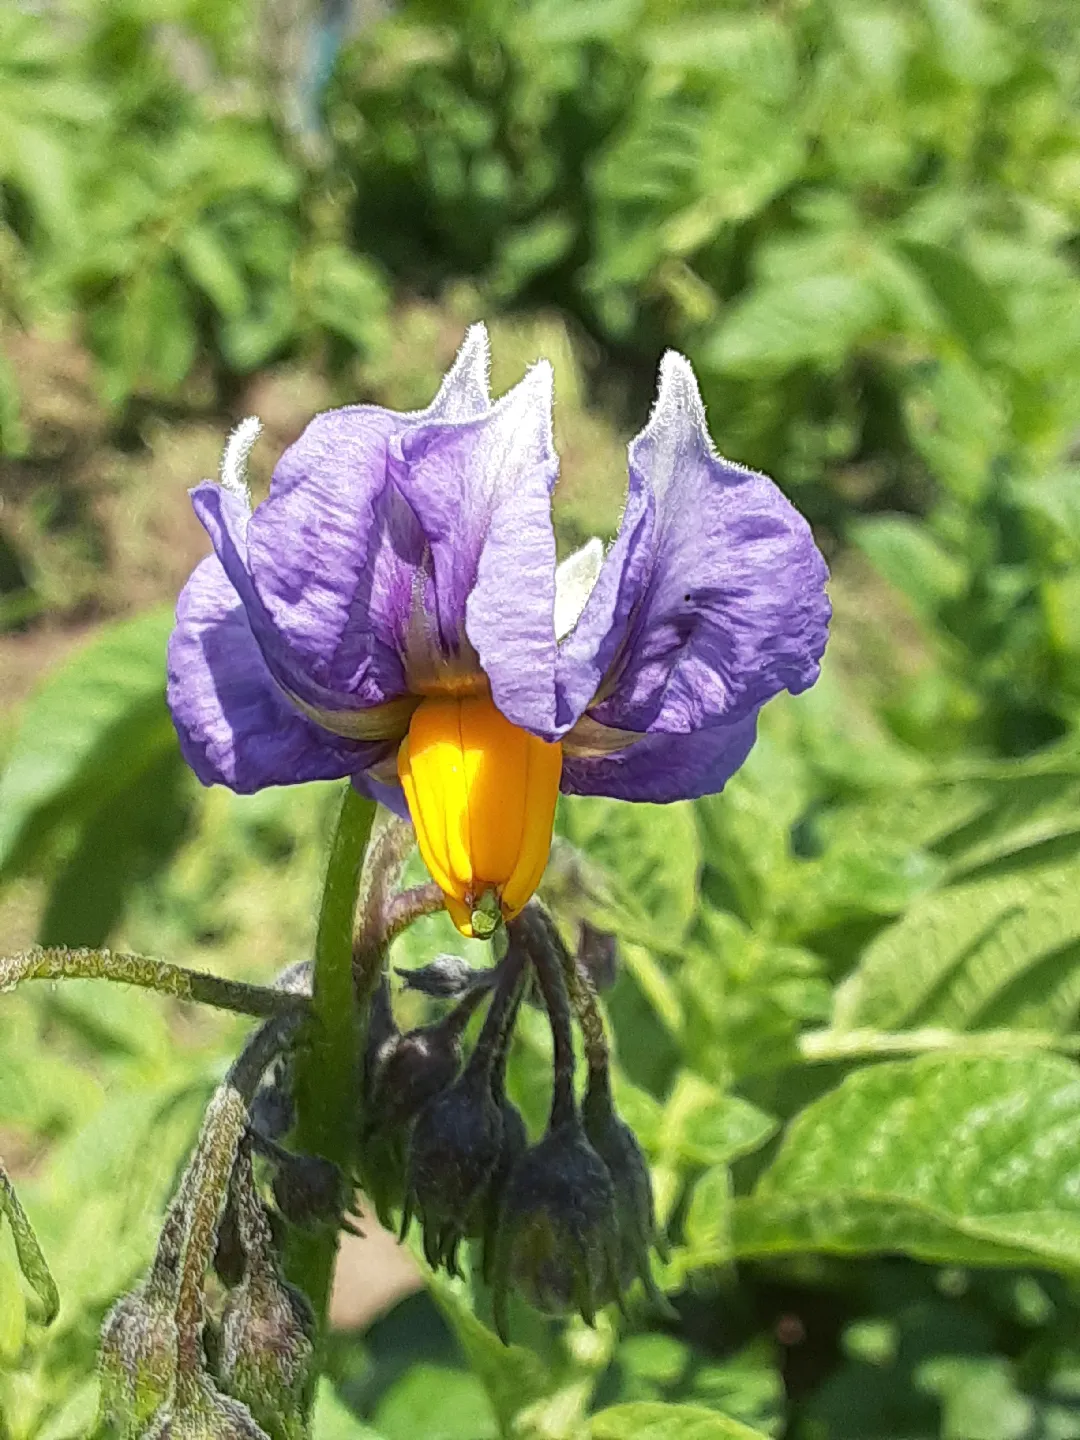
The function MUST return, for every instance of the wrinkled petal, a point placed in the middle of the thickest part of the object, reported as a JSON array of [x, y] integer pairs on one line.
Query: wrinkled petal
[[593, 646], [481, 491], [725, 585], [234, 724], [334, 550], [663, 767]]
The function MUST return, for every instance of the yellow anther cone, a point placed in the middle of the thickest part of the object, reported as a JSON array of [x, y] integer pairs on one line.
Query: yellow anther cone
[[482, 795]]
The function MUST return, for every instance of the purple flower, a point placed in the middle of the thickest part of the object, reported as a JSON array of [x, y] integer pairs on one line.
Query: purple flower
[[393, 612]]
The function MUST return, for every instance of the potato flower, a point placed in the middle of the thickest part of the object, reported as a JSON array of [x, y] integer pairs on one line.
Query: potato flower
[[393, 612]]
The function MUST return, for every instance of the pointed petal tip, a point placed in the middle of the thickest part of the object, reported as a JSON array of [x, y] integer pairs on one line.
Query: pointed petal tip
[[474, 352], [234, 459], [678, 393], [465, 391]]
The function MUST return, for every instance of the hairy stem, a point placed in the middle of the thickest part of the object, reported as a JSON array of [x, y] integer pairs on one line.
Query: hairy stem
[[327, 1059], [411, 905], [190, 1231], [150, 974], [223, 1128], [542, 945]]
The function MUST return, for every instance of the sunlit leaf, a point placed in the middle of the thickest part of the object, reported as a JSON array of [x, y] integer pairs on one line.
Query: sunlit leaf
[[652, 1421], [963, 1160]]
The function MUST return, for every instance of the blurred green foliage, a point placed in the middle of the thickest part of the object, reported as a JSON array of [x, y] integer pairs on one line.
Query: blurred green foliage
[[858, 217], [846, 1013]]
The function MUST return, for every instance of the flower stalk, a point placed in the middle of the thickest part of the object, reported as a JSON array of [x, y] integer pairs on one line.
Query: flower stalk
[[326, 1064]]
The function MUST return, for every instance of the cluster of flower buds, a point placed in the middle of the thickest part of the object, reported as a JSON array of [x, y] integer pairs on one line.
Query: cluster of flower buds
[[566, 1222], [171, 1364]]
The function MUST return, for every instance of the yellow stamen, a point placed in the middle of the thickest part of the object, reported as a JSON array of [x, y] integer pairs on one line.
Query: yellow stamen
[[482, 795]]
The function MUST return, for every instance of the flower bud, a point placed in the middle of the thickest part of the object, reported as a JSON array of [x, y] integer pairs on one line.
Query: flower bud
[[267, 1349], [137, 1358], [445, 978], [598, 955], [558, 1239], [204, 1414], [266, 1344], [402, 1073], [515, 1141], [308, 1189], [139, 1339], [454, 1150], [272, 1110], [617, 1146]]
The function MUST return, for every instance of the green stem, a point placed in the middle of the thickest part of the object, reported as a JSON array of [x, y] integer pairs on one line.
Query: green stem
[[327, 1058], [159, 975]]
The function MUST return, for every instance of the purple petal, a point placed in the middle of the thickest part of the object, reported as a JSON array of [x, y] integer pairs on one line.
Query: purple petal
[[235, 726], [332, 552], [734, 608], [334, 549], [383, 792], [662, 767], [481, 491], [591, 648]]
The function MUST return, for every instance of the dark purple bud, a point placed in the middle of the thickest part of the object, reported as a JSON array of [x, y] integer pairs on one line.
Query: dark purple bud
[[617, 1146], [272, 1110], [447, 977], [515, 1141], [455, 1149], [598, 955], [558, 1240], [308, 1189], [457, 1141], [403, 1074]]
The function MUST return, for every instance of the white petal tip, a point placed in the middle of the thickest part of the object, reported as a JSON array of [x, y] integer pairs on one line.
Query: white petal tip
[[678, 407], [234, 461], [464, 392]]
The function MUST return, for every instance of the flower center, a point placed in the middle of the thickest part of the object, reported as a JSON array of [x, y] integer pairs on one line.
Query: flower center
[[482, 795]]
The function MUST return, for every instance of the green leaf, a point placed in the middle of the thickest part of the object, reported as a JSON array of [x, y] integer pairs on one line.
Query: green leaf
[[968, 1160], [348, 297], [971, 307], [967, 43], [905, 553], [126, 839], [97, 723], [994, 953], [778, 327], [438, 1402], [651, 854], [702, 1126], [512, 1376], [210, 266], [651, 1420], [32, 1262], [332, 1419], [12, 1303], [14, 437]]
